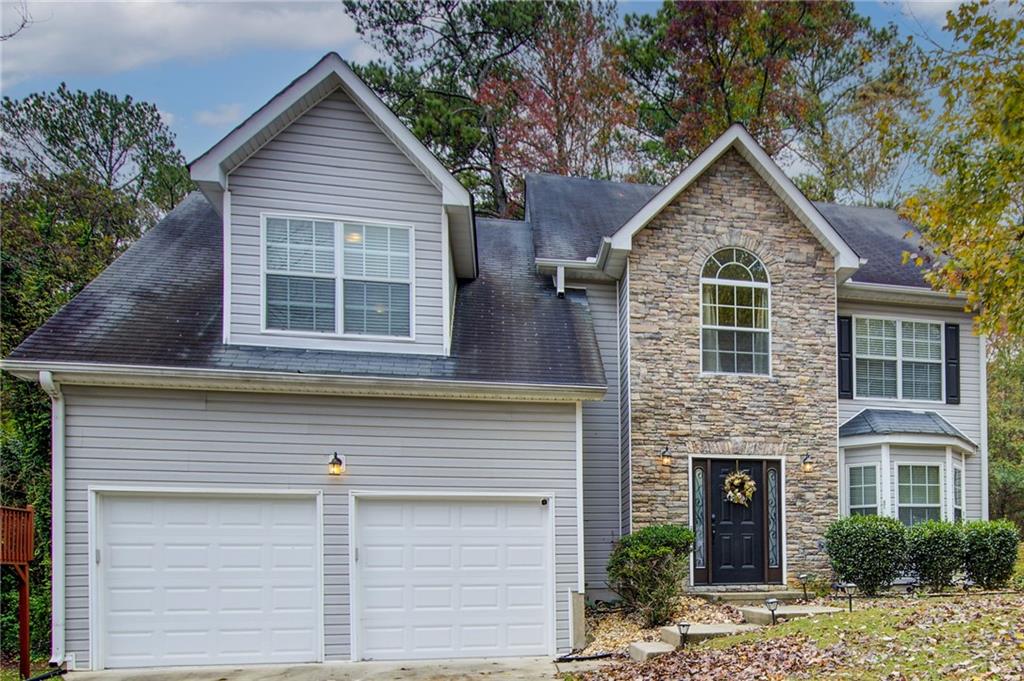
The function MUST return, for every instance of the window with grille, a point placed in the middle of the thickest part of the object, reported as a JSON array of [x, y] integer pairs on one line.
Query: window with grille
[[862, 486], [311, 264], [735, 313], [898, 359], [919, 493]]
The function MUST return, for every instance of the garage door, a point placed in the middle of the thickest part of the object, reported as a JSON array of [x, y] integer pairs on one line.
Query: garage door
[[452, 578], [196, 580]]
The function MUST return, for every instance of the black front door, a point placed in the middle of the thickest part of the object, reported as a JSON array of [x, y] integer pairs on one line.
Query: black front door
[[737, 531]]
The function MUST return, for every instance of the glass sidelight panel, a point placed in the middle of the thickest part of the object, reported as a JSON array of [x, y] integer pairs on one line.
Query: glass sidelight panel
[[699, 529], [773, 518]]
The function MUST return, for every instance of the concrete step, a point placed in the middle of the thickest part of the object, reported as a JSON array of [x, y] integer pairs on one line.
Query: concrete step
[[641, 651], [700, 632], [761, 615], [738, 598]]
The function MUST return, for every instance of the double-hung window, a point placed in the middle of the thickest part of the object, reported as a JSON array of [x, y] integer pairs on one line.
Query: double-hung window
[[862, 486], [735, 324], [311, 264], [919, 493], [898, 359]]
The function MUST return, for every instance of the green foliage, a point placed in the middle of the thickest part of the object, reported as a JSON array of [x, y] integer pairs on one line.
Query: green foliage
[[118, 143], [647, 570], [935, 550], [1006, 491], [990, 552], [971, 216], [866, 550]]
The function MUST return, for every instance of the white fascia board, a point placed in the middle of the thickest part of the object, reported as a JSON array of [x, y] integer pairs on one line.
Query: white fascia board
[[960, 444], [209, 168], [895, 293], [71, 373], [846, 260]]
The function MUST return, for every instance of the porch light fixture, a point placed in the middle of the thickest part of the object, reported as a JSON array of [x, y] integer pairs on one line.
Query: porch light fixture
[[805, 464], [666, 457], [336, 466], [772, 604], [684, 632]]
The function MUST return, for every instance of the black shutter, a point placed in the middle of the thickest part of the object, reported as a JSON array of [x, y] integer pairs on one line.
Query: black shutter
[[845, 329], [952, 364]]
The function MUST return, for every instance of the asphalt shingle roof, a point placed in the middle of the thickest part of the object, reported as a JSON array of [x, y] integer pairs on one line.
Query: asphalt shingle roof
[[899, 421], [571, 215], [159, 304]]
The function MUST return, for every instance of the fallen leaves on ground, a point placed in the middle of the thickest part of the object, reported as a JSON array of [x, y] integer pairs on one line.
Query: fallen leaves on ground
[[781, 658], [961, 637], [613, 630]]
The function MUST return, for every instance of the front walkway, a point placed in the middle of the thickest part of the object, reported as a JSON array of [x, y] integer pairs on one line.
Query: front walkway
[[511, 669]]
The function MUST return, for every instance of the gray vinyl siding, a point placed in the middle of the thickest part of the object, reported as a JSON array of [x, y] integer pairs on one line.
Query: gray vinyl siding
[[225, 439], [966, 416], [624, 409], [334, 161], [601, 502]]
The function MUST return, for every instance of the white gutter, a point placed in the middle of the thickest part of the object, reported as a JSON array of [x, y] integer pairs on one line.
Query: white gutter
[[80, 373], [56, 515]]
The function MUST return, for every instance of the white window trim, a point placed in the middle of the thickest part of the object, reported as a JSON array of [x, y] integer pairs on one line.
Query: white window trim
[[943, 513], [847, 506], [338, 276], [956, 502], [899, 358], [732, 282]]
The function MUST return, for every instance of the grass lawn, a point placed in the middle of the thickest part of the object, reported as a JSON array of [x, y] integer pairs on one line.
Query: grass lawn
[[951, 637]]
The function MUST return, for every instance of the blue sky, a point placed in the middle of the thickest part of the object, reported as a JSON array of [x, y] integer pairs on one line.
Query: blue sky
[[208, 65]]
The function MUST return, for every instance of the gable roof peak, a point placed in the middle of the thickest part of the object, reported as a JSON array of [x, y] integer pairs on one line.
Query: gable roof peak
[[736, 137]]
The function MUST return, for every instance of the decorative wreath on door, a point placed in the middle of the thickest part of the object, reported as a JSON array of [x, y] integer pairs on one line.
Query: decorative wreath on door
[[740, 488]]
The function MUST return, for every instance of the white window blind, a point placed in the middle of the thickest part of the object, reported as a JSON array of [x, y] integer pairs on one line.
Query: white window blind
[[898, 360], [309, 264]]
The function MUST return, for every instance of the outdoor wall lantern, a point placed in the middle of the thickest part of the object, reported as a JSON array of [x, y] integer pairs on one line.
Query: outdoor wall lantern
[[336, 466], [772, 604], [684, 632], [805, 464], [666, 457]]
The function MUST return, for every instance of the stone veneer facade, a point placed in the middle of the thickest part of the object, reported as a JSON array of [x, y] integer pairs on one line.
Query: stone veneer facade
[[790, 413]]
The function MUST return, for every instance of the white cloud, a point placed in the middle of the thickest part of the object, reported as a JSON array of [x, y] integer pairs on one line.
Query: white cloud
[[167, 117], [932, 11], [221, 116], [107, 37]]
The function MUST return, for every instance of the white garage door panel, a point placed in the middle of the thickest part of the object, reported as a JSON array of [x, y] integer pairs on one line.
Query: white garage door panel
[[187, 580], [443, 578]]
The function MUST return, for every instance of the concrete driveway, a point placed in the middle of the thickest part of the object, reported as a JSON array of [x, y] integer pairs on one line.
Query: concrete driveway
[[511, 669]]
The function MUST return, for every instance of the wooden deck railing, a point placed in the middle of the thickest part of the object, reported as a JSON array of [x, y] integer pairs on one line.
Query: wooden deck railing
[[16, 535]]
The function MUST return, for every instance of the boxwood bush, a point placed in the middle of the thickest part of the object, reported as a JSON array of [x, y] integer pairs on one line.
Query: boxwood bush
[[990, 551], [867, 550], [935, 550], [647, 570]]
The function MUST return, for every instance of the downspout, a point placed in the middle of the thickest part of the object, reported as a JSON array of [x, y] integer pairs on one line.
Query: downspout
[[56, 514]]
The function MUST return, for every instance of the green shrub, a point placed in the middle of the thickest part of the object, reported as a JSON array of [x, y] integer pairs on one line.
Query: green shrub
[[990, 551], [935, 550], [647, 570], [867, 550]]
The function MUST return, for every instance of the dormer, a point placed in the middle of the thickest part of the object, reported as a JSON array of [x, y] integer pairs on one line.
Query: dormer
[[341, 230]]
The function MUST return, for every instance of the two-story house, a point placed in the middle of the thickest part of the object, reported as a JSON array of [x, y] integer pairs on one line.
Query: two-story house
[[324, 412]]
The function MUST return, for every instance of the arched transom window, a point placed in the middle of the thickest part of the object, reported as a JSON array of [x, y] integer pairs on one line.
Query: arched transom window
[[735, 324]]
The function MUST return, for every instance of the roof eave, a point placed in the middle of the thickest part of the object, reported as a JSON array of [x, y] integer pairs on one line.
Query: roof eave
[[139, 376], [911, 439]]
